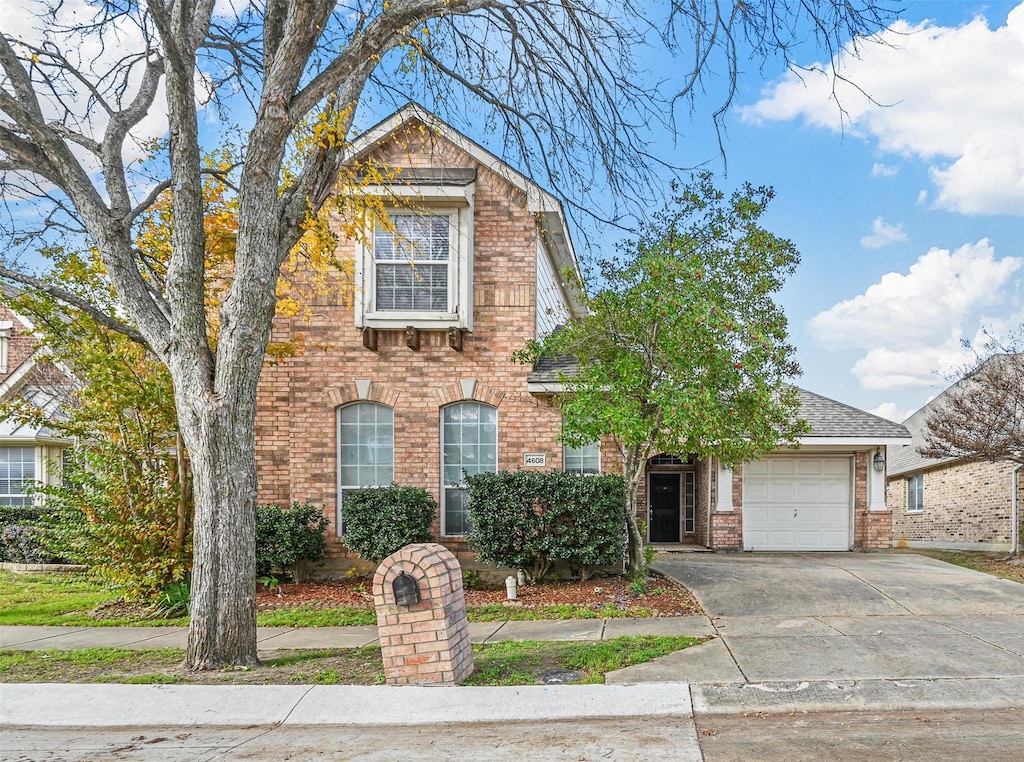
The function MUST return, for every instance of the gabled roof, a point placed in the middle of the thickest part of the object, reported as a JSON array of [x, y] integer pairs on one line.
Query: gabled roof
[[828, 419], [832, 419], [544, 204], [904, 460]]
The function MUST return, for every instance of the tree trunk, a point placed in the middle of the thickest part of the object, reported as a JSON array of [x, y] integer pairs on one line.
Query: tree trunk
[[219, 437], [633, 467]]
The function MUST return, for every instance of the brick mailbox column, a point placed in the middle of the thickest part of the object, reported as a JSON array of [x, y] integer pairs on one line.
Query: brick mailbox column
[[424, 643]]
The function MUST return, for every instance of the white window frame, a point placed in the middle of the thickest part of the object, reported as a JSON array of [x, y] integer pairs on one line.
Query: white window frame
[[915, 487], [342, 487], [581, 454], [20, 498], [6, 328], [461, 484], [456, 204]]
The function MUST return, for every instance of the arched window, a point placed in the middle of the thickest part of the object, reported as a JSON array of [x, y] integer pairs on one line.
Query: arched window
[[366, 449], [469, 445]]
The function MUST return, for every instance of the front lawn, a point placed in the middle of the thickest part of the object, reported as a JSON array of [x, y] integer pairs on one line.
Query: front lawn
[[505, 663]]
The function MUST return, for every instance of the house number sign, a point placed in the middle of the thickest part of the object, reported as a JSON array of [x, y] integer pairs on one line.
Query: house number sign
[[535, 459]]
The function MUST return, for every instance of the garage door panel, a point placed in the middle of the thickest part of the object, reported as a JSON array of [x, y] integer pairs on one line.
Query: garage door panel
[[798, 503]]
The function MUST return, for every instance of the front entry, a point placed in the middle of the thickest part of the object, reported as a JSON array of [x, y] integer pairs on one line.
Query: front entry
[[664, 502]]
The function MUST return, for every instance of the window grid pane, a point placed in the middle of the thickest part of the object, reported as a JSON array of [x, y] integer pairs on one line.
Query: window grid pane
[[17, 473], [582, 460], [412, 263], [366, 450], [469, 446]]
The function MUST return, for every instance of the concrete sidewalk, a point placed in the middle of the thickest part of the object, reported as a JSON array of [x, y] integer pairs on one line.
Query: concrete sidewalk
[[269, 639]]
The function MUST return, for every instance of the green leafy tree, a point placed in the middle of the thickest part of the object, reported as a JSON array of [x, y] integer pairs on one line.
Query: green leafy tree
[[684, 350], [125, 505]]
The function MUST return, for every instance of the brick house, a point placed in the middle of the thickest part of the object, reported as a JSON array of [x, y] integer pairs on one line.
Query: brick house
[[406, 375], [29, 454], [952, 503]]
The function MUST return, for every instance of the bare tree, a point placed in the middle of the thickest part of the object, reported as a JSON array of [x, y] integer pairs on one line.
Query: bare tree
[[982, 416], [555, 78]]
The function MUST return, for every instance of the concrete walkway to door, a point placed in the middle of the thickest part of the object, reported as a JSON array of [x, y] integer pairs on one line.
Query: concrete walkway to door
[[792, 622]]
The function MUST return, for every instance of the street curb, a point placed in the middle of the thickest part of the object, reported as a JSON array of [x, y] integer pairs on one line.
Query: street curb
[[858, 695], [106, 705]]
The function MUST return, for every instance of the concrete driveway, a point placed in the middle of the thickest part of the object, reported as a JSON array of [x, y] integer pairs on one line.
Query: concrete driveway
[[845, 617]]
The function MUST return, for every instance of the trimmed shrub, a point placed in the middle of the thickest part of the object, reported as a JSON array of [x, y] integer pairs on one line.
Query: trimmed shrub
[[382, 520], [531, 520], [23, 534], [285, 536]]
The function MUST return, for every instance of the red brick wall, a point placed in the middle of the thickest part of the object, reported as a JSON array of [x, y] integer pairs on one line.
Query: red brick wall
[[22, 343], [872, 530], [299, 396]]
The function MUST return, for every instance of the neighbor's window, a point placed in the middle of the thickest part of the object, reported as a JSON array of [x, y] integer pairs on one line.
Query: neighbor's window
[[411, 262], [582, 460], [17, 473], [469, 445], [366, 449], [915, 494]]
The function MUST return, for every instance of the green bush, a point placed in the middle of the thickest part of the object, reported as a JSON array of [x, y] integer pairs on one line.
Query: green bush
[[22, 535], [382, 520], [531, 520], [285, 536]]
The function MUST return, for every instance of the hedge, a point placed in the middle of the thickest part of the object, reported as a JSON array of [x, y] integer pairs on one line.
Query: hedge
[[285, 536], [382, 520], [531, 520]]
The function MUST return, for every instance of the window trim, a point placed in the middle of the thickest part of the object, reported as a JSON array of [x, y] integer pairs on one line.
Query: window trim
[[581, 457], [445, 486], [459, 312], [915, 506], [339, 487], [20, 499]]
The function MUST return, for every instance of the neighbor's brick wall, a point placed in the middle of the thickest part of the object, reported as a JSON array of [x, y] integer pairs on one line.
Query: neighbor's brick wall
[[298, 397], [963, 503], [22, 342]]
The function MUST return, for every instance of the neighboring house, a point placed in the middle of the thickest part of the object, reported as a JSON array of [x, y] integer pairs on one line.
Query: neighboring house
[[29, 454], [406, 374], [949, 502]]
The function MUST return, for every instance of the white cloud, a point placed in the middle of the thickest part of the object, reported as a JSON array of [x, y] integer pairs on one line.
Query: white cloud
[[892, 412], [884, 170], [911, 324], [883, 234], [953, 96]]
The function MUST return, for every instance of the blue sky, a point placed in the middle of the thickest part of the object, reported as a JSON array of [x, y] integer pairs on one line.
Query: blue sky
[[909, 215], [910, 218]]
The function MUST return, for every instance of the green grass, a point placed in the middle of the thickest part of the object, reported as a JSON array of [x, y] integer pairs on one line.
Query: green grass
[[49, 598], [307, 616], [522, 662], [497, 612], [505, 663]]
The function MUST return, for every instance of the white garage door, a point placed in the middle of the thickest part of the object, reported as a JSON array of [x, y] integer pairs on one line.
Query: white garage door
[[797, 503]]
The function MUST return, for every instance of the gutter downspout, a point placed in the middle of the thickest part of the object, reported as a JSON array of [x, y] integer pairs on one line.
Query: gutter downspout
[[1015, 510]]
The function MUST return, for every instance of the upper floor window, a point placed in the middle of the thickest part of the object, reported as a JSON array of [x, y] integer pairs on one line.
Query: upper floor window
[[17, 474], [415, 269], [366, 449], [469, 445], [5, 343], [915, 493], [412, 258], [582, 460]]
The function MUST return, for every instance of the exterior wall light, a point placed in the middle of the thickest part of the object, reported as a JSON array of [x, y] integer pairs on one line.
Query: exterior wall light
[[878, 461]]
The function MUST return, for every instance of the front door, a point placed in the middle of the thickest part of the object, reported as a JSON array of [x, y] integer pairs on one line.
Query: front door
[[664, 502]]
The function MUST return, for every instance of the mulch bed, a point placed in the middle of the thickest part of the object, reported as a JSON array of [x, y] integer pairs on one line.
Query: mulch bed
[[663, 596]]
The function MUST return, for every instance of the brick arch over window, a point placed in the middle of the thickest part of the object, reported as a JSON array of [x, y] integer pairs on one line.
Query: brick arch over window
[[469, 389], [361, 391], [366, 449]]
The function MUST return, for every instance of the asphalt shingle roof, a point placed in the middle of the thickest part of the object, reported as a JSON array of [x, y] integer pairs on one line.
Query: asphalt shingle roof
[[826, 417]]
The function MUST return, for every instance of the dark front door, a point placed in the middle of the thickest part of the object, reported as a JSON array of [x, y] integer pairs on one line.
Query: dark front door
[[664, 501]]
